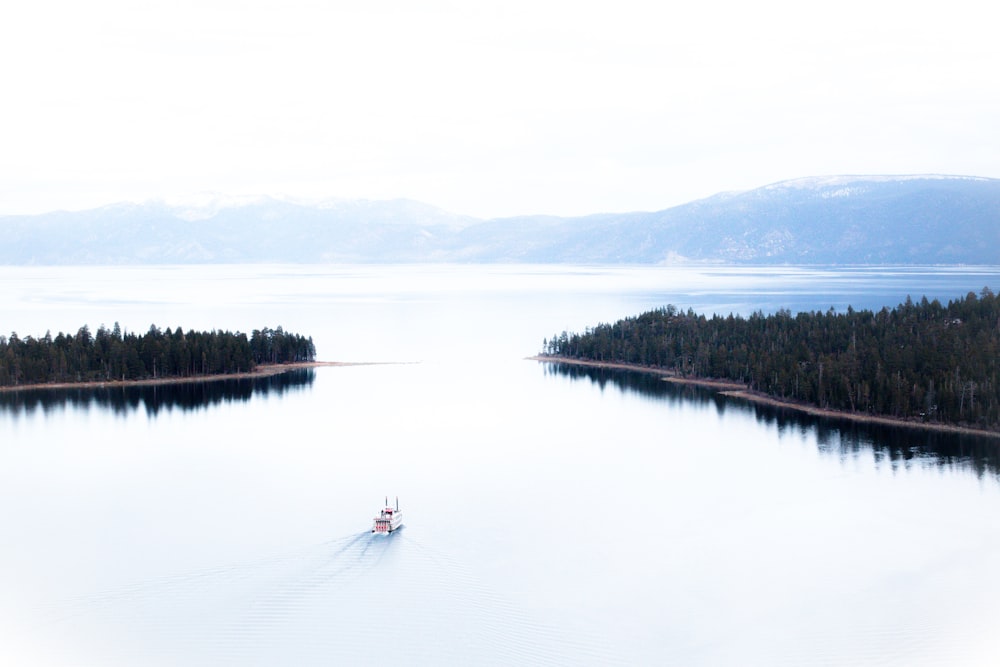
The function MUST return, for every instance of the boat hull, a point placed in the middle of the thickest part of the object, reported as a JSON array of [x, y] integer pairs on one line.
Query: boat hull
[[388, 521]]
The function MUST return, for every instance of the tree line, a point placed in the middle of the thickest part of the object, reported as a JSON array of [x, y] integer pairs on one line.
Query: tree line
[[917, 360], [117, 355]]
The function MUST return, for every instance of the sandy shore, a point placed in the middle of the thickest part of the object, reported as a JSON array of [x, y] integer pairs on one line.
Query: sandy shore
[[741, 391], [263, 370]]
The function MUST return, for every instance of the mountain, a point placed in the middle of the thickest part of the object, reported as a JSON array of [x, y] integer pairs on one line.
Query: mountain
[[222, 230], [826, 220]]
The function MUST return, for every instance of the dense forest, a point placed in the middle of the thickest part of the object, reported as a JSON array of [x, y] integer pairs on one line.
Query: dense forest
[[916, 361], [113, 355]]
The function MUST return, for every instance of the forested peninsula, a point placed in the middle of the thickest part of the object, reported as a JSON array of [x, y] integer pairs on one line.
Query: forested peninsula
[[919, 362], [111, 355]]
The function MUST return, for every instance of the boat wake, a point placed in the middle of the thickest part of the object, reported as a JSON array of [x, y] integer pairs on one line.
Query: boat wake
[[359, 599]]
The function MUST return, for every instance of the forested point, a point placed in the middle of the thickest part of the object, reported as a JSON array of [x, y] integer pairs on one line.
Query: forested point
[[113, 355], [920, 361]]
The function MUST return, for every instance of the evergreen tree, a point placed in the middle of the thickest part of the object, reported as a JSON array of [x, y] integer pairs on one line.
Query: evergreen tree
[[114, 355], [918, 360]]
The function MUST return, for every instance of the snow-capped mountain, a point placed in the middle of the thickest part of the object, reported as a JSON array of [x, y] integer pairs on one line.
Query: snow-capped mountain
[[923, 219]]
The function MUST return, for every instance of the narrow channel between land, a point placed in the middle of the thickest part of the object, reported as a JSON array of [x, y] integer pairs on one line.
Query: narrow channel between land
[[741, 391]]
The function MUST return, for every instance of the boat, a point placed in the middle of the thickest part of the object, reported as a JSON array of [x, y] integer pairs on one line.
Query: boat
[[389, 519]]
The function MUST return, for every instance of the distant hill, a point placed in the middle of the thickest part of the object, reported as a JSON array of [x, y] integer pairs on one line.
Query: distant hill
[[827, 220]]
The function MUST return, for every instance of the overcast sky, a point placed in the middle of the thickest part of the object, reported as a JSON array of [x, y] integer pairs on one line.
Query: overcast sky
[[486, 108]]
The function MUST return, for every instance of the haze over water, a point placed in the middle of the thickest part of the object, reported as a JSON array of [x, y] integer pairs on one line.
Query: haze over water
[[553, 516]]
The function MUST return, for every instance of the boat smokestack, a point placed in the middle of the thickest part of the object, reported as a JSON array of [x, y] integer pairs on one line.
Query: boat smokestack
[[397, 503]]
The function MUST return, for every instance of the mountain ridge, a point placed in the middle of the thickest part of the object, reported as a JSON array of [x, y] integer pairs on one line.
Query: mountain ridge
[[905, 219]]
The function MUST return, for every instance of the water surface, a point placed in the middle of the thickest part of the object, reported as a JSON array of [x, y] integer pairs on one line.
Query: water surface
[[552, 516]]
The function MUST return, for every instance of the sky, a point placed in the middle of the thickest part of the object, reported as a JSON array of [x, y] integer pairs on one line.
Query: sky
[[485, 108]]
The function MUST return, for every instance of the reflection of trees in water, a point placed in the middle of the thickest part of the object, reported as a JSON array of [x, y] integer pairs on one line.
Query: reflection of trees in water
[[649, 385], [183, 395], [896, 445]]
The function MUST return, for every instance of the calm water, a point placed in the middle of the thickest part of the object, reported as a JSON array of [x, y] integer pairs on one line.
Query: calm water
[[553, 515]]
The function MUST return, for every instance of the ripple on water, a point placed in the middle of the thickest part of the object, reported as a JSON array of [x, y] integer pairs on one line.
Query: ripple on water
[[358, 599]]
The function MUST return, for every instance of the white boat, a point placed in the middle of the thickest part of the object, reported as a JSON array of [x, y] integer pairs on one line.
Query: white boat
[[389, 520]]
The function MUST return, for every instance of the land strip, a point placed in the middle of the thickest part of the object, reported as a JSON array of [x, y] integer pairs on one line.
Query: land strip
[[262, 370], [741, 391]]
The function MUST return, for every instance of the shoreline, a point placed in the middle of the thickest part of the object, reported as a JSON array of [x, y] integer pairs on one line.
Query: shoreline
[[737, 390], [263, 370]]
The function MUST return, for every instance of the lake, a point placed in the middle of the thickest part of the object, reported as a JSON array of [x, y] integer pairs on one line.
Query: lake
[[553, 515]]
